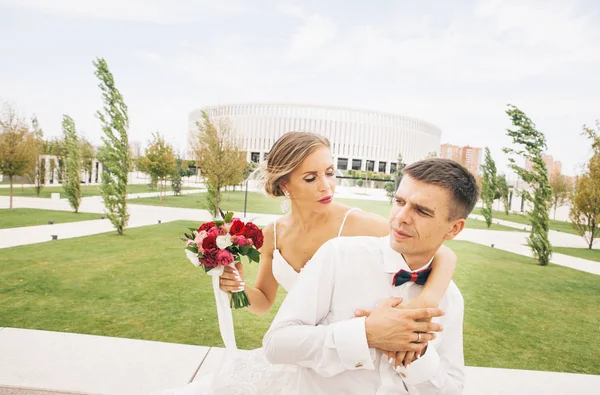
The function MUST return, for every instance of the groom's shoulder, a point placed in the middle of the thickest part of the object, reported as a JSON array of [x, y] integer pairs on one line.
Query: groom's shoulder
[[453, 298], [354, 244]]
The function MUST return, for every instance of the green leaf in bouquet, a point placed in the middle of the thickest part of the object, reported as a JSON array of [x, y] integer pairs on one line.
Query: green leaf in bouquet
[[189, 237], [193, 230], [254, 255], [192, 248], [244, 250], [228, 217], [218, 223]]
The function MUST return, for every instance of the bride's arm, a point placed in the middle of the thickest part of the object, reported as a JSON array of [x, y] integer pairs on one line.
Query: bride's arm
[[262, 295], [442, 269]]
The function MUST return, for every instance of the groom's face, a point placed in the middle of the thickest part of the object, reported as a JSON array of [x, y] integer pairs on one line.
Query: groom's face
[[420, 218]]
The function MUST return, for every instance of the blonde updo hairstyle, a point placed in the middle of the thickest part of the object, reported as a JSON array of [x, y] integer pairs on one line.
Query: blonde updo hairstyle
[[288, 152]]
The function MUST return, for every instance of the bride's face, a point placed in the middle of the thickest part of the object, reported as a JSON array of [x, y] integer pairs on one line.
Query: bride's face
[[312, 184]]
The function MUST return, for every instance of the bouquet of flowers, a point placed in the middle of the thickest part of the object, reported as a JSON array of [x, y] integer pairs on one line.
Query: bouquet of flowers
[[223, 242]]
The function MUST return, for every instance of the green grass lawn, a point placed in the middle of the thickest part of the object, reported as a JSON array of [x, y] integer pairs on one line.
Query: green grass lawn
[[259, 203], [89, 190], [560, 226], [29, 217], [518, 314], [585, 253]]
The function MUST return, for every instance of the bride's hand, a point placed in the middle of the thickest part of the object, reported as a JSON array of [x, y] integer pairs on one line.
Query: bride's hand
[[232, 278]]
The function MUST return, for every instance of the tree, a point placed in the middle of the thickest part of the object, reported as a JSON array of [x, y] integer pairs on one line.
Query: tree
[[488, 191], [502, 192], [18, 147], [116, 154], [56, 147], [37, 174], [400, 165], [585, 203], [181, 170], [432, 154], [72, 185], [532, 145], [159, 161], [390, 190], [561, 190], [219, 158], [88, 153]]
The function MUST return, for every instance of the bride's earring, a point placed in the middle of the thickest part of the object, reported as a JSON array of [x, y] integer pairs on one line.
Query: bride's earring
[[285, 203]]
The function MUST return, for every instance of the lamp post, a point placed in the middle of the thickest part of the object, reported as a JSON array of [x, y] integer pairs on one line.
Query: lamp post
[[246, 197]]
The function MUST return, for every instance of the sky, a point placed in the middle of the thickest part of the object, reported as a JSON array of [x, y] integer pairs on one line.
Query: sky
[[455, 64]]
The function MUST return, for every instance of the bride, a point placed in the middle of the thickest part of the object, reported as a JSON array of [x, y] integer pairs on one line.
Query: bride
[[300, 167]]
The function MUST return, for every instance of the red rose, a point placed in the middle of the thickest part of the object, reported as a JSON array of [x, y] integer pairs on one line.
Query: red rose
[[206, 226], [210, 258], [253, 232], [209, 243], [237, 228]]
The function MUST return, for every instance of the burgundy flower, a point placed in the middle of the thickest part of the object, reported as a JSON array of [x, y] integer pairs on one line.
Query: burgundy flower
[[210, 258], [209, 242], [253, 232], [206, 226]]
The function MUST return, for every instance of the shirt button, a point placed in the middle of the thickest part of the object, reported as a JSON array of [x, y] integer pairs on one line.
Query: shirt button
[[358, 365]]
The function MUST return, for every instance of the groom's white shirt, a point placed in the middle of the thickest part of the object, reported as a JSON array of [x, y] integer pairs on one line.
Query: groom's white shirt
[[315, 327]]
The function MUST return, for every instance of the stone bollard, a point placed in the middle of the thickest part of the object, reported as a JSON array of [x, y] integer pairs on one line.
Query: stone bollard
[[54, 237], [50, 222]]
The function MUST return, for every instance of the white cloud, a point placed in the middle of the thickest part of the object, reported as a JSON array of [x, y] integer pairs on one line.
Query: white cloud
[[155, 11]]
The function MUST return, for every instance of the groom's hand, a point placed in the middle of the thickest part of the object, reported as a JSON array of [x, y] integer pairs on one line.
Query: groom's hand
[[389, 328]]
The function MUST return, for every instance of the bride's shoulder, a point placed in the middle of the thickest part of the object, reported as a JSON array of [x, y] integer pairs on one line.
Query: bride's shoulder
[[269, 237], [363, 223]]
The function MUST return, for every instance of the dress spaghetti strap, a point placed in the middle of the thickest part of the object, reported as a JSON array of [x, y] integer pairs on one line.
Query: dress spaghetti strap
[[275, 234], [345, 218]]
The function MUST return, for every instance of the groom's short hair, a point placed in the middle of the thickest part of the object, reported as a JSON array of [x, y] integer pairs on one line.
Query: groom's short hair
[[452, 176]]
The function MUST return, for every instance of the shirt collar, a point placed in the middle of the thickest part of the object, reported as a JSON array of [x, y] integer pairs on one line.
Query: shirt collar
[[393, 261]]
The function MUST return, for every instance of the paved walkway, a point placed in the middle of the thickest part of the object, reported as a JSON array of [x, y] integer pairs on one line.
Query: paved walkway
[[33, 360], [143, 215]]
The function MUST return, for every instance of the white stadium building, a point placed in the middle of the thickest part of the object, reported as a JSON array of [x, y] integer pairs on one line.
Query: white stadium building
[[361, 139]]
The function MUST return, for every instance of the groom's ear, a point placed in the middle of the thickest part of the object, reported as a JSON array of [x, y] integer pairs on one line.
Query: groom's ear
[[457, 227]]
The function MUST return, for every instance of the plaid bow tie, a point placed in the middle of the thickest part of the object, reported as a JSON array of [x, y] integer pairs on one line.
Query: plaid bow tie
[[417, 277]]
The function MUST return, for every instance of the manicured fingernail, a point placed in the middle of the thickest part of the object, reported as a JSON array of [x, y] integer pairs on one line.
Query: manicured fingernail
[[242, 283], [391, 360], [407, 365], [397, 369], [418, 356], [240, 288]]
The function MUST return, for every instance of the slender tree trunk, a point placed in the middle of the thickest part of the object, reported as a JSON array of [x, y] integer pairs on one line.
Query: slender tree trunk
[[554, 211], [11, 192]]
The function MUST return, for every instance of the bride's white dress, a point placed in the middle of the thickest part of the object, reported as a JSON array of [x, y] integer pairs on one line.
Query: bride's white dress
[[249, 372]]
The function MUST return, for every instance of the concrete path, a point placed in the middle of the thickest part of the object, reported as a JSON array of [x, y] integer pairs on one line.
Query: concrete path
[[143, 215], [42, 362]]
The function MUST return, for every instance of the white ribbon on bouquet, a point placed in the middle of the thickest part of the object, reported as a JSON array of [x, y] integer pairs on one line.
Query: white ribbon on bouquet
[[223, 304]]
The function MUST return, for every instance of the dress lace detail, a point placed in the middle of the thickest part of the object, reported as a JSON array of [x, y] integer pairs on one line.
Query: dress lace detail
[[249, 372]]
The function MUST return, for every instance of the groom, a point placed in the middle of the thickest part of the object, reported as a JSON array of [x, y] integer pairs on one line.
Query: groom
[[337, 353]]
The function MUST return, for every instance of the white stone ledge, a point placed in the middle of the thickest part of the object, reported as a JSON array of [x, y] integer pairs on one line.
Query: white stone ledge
[[36, 362]]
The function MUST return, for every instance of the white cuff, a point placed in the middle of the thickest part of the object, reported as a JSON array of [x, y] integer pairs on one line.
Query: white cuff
[[350, 339], [423, 369]]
